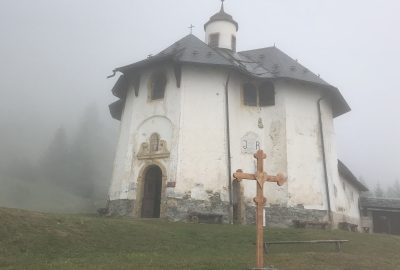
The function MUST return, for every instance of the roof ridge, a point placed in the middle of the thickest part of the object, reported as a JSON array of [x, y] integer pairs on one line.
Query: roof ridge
[[270, 47]]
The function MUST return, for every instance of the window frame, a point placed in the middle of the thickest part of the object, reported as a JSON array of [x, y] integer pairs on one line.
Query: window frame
[[258, 90], [269, 94], [210, 39], [244, 100]]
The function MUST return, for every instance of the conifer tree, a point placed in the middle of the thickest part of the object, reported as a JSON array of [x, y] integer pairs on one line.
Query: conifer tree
[[54, 166], [378, 192]]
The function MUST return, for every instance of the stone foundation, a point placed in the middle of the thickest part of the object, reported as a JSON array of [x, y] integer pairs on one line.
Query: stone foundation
[[215, 210], [278, 216], [282, 217], [211, 211], [120, 208]]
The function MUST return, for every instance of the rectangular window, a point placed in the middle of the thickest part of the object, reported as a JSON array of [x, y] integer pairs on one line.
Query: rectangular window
[[262, 96], [158, 84], [266, 94], [233, 45], [213, 40], [249, 94]]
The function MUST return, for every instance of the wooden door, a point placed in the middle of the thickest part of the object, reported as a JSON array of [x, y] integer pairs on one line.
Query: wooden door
[[152, 193]]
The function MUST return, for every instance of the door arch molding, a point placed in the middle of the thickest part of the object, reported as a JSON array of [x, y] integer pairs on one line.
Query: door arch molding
[[141, 183]]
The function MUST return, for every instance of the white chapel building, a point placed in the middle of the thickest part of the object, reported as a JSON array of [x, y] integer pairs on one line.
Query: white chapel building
[[197, 111]]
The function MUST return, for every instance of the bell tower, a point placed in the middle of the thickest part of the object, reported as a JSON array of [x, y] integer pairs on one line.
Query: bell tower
[[221, 30]]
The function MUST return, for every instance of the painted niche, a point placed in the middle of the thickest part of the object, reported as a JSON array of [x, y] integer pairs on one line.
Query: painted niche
[[154, 148]]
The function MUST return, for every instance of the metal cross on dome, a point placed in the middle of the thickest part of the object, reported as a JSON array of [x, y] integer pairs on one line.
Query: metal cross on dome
[[261, 177]]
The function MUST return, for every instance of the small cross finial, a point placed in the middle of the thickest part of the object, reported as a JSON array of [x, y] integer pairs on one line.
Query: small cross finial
[[191, 28], [222, 5]]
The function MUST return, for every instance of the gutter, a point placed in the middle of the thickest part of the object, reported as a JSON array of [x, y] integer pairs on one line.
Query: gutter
[[321, 132], [228, 143]]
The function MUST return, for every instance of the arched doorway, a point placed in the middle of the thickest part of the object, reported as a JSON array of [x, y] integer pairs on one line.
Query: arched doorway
[[152, 192]]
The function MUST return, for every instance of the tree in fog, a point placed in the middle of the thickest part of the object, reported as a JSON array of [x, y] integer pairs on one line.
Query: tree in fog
[[378, 191], [366, 193], [394, 191], [91, 157], [54, 166], [72, 174]]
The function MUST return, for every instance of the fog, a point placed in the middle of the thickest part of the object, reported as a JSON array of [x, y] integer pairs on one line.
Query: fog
[[55, 57]]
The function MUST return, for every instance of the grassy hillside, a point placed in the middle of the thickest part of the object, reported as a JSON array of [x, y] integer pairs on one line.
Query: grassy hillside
[[46, 196], [31, 240]]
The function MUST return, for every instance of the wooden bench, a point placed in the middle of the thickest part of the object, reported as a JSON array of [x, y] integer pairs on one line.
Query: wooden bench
[[197, 217], [312, 224], [338, 243]]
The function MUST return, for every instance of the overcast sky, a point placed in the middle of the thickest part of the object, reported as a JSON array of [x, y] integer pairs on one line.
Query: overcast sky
[[55, 56]]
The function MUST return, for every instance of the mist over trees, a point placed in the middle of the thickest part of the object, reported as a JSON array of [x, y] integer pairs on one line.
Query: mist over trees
[[72, 171], [72, 174], [392, 191]]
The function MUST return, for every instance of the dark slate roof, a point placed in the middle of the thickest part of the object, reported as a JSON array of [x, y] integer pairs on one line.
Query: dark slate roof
[[120, 86], [266, 63], [189, 49], [222, 16], [116, 108], [349, 176], [380, 203], [278, 64]]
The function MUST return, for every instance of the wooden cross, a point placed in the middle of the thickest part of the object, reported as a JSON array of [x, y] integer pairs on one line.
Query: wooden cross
[[261, 177]]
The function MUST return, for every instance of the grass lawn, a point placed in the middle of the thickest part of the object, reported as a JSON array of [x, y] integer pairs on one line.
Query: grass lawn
[[31, 240]]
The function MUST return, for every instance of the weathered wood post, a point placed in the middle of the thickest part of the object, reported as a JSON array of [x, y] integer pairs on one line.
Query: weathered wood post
[[261, 177]]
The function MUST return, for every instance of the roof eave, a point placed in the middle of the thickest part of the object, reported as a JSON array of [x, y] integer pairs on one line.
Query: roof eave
[[144, 63], [349, 176], [339, 107]]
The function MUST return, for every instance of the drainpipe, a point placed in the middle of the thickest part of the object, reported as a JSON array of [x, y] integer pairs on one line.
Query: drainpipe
[[228, 143], [321, 132]]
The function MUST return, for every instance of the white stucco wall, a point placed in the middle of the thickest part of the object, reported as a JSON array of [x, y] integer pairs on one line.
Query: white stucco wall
[[202, 146], [305, 166], [141, 118], [272, 136], [346, 203], [225, 29]]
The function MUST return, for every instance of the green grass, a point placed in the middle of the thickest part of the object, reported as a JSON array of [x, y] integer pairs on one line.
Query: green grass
[[31, 240]]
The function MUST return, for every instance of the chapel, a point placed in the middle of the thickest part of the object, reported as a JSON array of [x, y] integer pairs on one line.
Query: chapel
[[198, 110]]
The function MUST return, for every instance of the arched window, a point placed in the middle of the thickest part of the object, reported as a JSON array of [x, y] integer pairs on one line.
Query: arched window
[[158, 84], [249, 94], [154, 142], [266, 94]]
